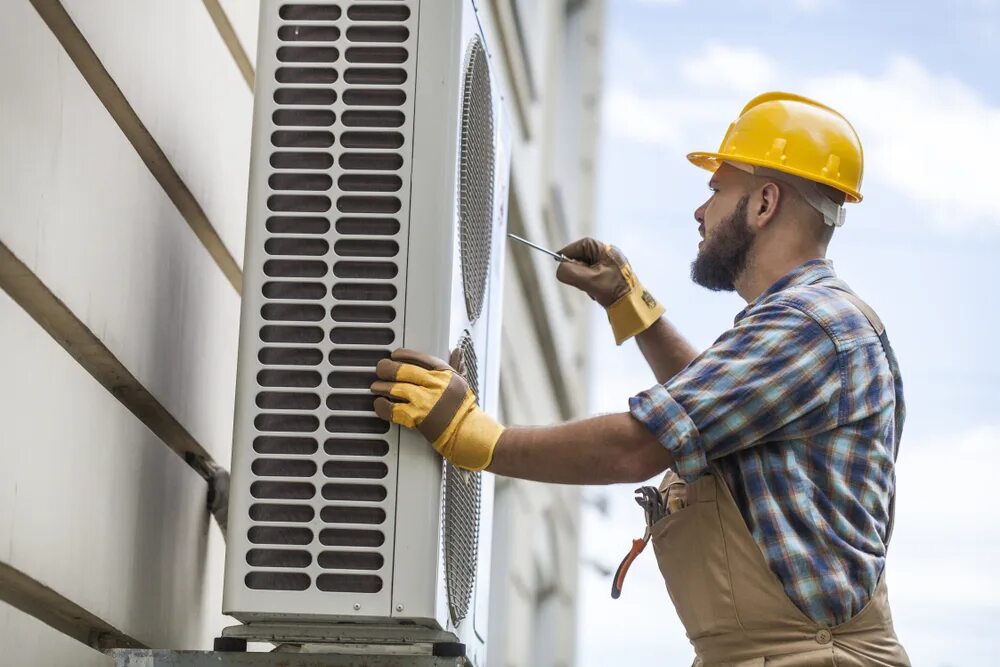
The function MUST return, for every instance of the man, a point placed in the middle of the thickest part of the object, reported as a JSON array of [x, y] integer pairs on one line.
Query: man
[[778, 442]]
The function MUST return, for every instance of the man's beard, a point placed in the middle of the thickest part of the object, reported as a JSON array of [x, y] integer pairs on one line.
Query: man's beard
[[725, 254]]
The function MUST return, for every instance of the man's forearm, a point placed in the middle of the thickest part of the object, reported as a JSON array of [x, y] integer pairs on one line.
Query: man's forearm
[[665, 349], [600, 450]]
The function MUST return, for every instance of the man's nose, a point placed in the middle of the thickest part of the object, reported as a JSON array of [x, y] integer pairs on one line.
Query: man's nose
[[699, 214]]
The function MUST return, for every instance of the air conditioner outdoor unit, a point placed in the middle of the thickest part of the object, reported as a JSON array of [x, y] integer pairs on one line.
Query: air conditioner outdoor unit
[[376, 219]]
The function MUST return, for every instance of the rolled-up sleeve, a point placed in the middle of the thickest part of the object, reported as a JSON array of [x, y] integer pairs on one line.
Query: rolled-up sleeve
[[773, 376]]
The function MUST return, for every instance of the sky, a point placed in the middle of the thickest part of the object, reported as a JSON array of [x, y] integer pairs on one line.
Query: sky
[[918, 80]]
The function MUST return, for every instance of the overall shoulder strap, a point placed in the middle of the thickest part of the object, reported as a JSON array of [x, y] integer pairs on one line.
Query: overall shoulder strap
[[876, 323], [865, 309]]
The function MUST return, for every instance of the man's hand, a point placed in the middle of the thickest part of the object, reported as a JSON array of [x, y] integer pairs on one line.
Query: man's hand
[[602, 271], [434, 398]]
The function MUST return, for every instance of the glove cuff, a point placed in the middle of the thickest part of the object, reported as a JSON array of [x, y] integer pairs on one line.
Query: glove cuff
[[470, 439], [633, 313]]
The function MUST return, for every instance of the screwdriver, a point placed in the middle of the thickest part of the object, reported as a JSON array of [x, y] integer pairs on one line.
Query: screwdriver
[[555, 255]]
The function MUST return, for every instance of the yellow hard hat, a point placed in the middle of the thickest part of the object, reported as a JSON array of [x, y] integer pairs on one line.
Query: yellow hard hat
[[795, 135]]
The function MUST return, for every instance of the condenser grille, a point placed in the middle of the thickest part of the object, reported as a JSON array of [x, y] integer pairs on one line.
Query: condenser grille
[[338, 108], [460, 512], [475, 194]]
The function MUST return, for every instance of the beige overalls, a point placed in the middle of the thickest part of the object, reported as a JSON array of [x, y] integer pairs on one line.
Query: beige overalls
[[734, 609]]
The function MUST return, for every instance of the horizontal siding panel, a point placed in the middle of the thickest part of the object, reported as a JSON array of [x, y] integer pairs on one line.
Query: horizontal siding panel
[[175, 70], [93, 506], [84, 214], [243, 14], [27, 641]]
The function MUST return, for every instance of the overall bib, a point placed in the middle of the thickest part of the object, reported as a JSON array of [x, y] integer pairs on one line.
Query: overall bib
[[734, 609]]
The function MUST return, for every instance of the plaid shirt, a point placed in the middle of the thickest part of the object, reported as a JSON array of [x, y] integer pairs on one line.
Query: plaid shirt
[[800, 406]]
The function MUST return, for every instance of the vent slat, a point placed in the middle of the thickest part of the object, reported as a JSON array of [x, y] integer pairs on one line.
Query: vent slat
[[371, 140], [308, 54], [355, 447], [372, 270], [374, 97], [277, 581], [372, 516], [280, 423], [290, 290], [282, 513], [297, 268], [373, 118], [309, 33], [296, 246], [351, 537], [351, 560], [355, 469], [297, 225], [366, 248], [278, 558], [285, 378], [370, 183], [371, 161], [375, 76], [368, 226], [392, 34], [351, 402], [283, 490], [309, 12], [305, 75], [364, 292], [377, 55], [303, 117], [284, 467], [378, 13], [280, 535], [362, 336], [285, 334], [356, 492], [350, 380], [347, 424], [279, 400], [274, 444], [349, 583], [301, 139]]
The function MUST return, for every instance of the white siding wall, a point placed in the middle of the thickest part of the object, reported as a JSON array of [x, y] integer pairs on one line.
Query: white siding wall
[[124, 146]]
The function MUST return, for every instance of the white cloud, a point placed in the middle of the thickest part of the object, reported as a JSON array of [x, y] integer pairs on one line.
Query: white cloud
[[947, 536], [928, 137], [729, 68]]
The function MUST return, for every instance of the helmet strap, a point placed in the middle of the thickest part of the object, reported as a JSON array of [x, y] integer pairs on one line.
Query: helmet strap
[[833, 213]]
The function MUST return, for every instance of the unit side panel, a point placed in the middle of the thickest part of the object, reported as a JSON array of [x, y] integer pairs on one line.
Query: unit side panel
[[312, 511]]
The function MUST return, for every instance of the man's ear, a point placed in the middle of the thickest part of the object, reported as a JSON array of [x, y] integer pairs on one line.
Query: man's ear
[[765, 205]]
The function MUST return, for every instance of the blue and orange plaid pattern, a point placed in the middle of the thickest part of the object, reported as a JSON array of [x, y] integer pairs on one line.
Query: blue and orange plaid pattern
[[799, 405]]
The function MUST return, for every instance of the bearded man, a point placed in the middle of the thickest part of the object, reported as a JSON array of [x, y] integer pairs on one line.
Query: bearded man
[[777, 444]]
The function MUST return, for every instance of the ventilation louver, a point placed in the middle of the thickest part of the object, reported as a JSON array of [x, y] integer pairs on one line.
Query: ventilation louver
[[338, 140], [375, 220]]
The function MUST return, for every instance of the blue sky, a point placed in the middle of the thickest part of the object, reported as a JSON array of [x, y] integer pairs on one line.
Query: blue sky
[[919, 82]]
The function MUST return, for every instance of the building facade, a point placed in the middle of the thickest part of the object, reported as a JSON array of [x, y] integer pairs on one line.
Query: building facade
[[124, 153]]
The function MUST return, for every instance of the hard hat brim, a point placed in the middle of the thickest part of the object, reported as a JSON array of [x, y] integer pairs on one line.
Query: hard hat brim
[[712, 161]]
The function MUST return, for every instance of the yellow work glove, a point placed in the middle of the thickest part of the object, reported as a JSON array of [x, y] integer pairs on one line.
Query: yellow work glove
[[431, 396], [602, 271]]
